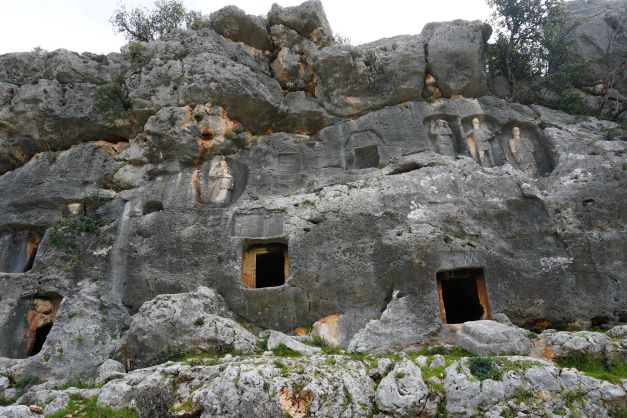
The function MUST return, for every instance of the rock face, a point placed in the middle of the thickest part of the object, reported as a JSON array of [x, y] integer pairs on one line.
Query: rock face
[[185, 322], [293, 181], [489, 337], [600, 38], [402, 393], [233, 23], [456, 54]]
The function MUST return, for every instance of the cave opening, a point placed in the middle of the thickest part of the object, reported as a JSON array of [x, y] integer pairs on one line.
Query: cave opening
[[366, 157], [462, 295], [265, 265], [39, 338]]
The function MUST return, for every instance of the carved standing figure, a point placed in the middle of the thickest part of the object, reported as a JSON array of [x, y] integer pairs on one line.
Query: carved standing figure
[[222, 180], [522, 151], [444, 139], [478, 139]]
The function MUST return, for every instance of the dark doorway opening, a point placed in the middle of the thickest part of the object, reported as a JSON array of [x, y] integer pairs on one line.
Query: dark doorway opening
[[366, 157], [270, 269], [265, 265], [462, 294], [40, 338]]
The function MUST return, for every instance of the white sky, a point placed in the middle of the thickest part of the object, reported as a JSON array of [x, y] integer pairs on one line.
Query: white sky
[[83, 25]]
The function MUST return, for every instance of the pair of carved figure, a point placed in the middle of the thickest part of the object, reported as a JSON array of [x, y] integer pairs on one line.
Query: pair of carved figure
[[479, 140]]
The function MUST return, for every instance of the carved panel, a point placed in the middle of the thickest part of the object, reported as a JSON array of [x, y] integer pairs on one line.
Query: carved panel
[[258, 224]]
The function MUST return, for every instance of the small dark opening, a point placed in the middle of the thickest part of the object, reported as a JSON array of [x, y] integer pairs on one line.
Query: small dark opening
[[270, 269], [460, 296], [40, 338], [31, 259], [366, 157], [152, 206]]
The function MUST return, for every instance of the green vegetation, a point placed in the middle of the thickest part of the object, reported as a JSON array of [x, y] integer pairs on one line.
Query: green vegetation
[[76, 383], [594, 367], [282, 350], [110, 98], [26, 381], [87, 408], [316, 341], [284, 369], [482, 368], [199, 322], [136, 48], [65, 233], [141, 24], [93, 202]]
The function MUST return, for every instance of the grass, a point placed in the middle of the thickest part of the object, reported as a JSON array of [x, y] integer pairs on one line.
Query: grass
[[483, 368], [594, 367], [26, 381], [282, 350], [316, 341], [87, 408], [75, 383]]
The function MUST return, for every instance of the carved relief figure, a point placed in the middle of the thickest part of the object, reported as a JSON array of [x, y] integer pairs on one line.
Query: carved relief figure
[[522, 150], [222, 180], [444, 139], [479, 143]]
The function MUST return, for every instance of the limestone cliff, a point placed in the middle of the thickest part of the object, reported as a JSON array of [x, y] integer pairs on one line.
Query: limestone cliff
[[382, 188]]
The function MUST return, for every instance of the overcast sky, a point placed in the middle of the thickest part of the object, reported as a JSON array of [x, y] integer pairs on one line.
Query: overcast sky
[[83, 25]]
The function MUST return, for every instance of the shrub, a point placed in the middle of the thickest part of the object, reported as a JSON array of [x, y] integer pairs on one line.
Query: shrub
[[199, 322], [136, 48], [65, 232], [482, 367], [282, 350], [110, 98]]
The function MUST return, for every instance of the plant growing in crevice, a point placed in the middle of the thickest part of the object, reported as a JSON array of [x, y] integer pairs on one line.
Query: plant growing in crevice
[[110, 98], [65, 233]]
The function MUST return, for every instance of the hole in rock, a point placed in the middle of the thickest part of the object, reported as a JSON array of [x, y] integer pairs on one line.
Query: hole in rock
[[39, 338], [366, 157], [265, 265], [462, 295], [31, 251], [152, 206]]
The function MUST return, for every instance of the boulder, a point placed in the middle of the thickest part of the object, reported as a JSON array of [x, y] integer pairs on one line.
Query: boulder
[[17, 411], [564, 343], [233, 23], [353, 80], [277, 338], [489, 337], [456, 56], [402, 393], [304, 18], [182, 323], [619, 331], [110, 369]]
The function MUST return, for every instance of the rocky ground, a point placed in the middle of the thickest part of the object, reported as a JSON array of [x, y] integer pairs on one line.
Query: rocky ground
[[138, 190]]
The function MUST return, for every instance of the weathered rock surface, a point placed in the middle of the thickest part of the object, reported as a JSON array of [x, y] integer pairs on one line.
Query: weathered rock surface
[[187, 322], [304, 18], [514, 391], [456, 56], [402, 393], [275, 339], [490, 337], [233, 23]]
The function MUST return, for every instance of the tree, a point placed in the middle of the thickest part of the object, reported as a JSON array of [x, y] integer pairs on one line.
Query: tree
[[527, 31], [145, 25]]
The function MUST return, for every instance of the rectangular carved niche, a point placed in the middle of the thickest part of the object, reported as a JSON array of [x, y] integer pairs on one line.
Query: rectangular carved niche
[[462, 295], [264, 265], [262, 224]]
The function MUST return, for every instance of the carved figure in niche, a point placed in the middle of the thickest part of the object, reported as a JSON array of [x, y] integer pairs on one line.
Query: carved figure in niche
[[522, 151], [222, 180], [444, 139], [479, 143]]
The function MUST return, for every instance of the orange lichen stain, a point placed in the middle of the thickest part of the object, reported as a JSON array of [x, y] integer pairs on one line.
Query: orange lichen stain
[[31, 247], [300, 331], [295, 404], [326, 328], [42, 312], [457, 97], [109, 147], [19, 154]]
